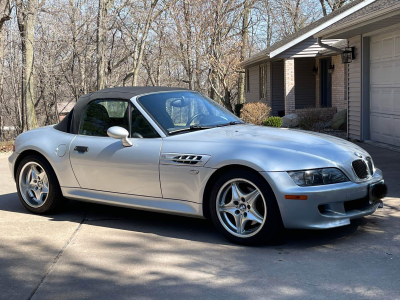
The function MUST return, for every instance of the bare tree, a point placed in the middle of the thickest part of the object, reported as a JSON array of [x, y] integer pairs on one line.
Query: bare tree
[[332, 4], [72, 47], [138, 32], [104, 7], [244, 48], [27, 11], [5, 15]]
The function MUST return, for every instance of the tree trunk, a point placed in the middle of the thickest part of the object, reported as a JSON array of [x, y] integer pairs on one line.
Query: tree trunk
[[243, 51], [323, 6], [1, 76], [26, 15], [104, 6], [5, 12]]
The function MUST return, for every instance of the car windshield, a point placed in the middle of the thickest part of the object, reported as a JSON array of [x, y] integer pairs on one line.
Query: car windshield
[[183, 111]]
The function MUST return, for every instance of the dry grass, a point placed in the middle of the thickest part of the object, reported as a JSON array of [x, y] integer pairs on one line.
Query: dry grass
[[6, 147]]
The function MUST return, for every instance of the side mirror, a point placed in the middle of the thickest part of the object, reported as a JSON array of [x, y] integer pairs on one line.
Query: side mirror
[[120, 133]]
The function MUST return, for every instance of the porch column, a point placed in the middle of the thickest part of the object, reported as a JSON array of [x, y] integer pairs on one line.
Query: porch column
[[269, 74], [289, 86]]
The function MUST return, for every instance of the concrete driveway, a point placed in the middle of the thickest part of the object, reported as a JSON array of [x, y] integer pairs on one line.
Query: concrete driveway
[[100, 252]]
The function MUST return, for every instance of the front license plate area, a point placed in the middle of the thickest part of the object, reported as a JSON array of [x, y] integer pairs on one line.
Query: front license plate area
[[377, 191]]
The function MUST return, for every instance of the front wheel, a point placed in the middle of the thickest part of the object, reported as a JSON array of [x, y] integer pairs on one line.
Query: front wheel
[[244, 208], [38, 187]]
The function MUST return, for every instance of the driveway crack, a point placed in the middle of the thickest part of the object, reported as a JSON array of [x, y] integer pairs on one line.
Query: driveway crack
[[58, 256]]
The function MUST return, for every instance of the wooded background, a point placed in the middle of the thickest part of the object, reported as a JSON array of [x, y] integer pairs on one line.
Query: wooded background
[[54, 51]]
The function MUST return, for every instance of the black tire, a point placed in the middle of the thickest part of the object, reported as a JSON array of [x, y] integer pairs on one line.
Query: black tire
[[272, 224], [54, 201]]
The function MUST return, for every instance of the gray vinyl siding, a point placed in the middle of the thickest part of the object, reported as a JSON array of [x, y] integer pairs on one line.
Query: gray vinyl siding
[[254, 94], [354, 91], [305, 82], [277, 86], [307, 48]]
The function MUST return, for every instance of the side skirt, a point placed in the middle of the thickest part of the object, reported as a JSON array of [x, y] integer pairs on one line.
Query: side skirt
[[170, 206]]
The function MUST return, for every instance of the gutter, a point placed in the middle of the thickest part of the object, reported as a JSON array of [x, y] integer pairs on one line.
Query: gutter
[[361, 21], [322, 45]]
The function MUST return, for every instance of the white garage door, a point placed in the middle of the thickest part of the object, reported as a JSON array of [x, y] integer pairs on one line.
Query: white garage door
[[385, 88]]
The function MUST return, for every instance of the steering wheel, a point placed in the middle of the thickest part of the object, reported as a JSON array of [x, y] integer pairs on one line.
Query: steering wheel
[[194, 117]]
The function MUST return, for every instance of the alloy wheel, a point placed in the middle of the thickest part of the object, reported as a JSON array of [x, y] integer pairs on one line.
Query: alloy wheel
[[33, 184], [241, 208]]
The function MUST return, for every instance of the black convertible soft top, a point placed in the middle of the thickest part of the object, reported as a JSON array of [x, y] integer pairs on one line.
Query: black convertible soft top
[[70, 123]]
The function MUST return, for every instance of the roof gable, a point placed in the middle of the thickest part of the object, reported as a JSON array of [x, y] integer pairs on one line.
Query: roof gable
[[308, 31]]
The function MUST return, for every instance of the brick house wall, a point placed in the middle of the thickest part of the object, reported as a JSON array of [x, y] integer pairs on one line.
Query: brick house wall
[[290, 105], [339, 97], [339, 83], [317, 82]]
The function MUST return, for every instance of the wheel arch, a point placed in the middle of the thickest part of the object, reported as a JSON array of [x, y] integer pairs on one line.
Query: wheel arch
[[213, 178], [24, 154]]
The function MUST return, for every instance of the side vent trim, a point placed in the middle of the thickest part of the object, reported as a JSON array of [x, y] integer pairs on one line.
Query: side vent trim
[[194, 160]]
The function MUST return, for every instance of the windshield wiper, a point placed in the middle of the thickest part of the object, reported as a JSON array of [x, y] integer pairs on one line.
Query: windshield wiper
[[200, 127], [191, 128], [230, 123]]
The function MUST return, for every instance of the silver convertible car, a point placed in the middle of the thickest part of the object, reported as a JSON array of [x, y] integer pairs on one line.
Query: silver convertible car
[[176, 151]]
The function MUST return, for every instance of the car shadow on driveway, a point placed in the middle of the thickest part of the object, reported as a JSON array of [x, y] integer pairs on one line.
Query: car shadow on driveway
[[173, 226], [118, 253]]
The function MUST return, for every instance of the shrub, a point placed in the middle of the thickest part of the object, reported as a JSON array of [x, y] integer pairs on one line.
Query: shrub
[[238, 107], [315, 118], [255, 113], [273, 122]]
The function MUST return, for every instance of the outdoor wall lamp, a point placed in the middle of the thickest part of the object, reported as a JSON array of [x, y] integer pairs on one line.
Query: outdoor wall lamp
[[348, 55], [315, 71], [331, 68]]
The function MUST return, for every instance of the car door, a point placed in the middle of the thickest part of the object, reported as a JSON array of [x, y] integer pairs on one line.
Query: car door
[[103, 163]]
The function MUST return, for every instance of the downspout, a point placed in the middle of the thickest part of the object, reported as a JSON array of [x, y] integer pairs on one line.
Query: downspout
[[322, 45]]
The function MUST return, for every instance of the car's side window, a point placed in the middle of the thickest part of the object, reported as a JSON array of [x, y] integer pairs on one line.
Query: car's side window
[[141, 128], [100, 115]]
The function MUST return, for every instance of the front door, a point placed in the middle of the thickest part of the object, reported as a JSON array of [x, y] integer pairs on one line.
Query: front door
[[103, 163], [326, 83]]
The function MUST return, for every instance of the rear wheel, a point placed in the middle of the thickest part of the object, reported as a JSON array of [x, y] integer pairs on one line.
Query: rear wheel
[[244, 208], [38, 187]]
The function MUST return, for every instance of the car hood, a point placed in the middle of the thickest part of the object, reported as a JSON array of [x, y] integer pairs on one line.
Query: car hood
[[282, 138], [293, 149]]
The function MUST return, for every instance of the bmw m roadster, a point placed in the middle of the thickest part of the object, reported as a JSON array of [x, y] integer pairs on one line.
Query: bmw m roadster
[[176, 151]]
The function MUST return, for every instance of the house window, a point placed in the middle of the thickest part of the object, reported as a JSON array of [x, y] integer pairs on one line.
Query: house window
[[263, 81], [247, 81]]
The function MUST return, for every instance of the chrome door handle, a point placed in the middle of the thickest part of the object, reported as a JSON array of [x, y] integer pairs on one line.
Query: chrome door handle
[[81, 148]]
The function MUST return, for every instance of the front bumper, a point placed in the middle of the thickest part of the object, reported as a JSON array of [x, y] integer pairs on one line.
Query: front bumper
[[327, 206]]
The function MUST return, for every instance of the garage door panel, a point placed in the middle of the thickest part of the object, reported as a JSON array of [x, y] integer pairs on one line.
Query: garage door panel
[[397, 46], [386, 76], [375, 99], [385, 88], [375, 124], [396, 101], [375, 71], [375, 50], [396, 129], [385, 126], [396, 77], [386, 101], [387, 48]]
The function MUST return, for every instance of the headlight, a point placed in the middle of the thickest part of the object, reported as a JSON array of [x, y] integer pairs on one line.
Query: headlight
[[318, 177]]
